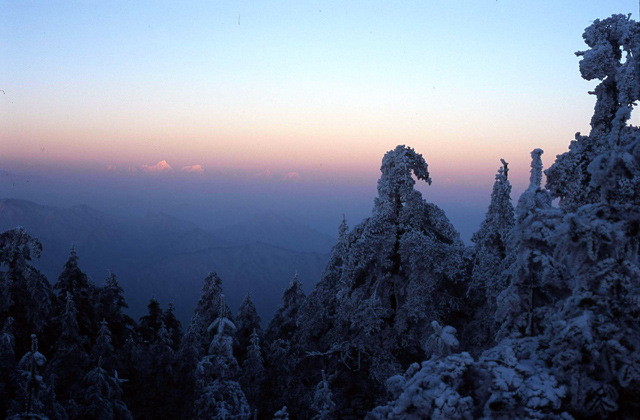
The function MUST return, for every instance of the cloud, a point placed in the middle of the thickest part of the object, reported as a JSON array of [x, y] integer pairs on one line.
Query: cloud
[[291, 176], [195, 169], [265, 175], [158, 168]]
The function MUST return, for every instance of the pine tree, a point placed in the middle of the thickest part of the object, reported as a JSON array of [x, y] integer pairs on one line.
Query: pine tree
[[253, 372], [103, 348], [25, 294], [72, 281], [218, 394], [150, 323], [7, 365], [28, 404], [390, 277], [111, 304], [322, 402], [102, 396], [491, 258], [282, 353], [248, 322], [594, 339], [283, 324], [173, 326], [208, 309], [70, 359], [535, 278]]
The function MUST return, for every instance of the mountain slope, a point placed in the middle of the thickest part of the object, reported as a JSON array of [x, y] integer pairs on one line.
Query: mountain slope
[[161, 256]]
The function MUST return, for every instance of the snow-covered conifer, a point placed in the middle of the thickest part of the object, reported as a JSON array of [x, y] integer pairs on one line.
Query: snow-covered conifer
[[535, 279], [173, 326], [322, 401], [491, 258], [103, 348], [248, 322], [218, 394], [70, 359], [25, 294], [111, 303], [76, 283], [102, 396], [284, 324], [150, 323], [208, 309], [28, 403], [253, 372]]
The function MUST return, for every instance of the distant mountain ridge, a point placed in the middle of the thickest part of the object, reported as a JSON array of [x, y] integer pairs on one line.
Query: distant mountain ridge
[[167, 258], [279, 231]]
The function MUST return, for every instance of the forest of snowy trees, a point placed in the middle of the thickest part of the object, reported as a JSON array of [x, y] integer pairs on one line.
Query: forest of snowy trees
[[539, 319]]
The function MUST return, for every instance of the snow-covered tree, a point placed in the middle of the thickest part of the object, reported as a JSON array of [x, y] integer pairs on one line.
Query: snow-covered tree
[[150, 323], [28, 404], [491, 258], [173, 326], [594, 339], [73, 281], [253, 372], [535, 279], [208, 309], [508, 381], [583, 174], [111, 304], [388, 278], [248, 322], [102, 396], [8, 364], [283, 324], [70, 359], [442, 341], [322, 401], [218, 393], [25, 294], [103, 348]]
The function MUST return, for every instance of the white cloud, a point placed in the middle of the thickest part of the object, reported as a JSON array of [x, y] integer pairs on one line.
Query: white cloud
[[158, 168], [195, 169]]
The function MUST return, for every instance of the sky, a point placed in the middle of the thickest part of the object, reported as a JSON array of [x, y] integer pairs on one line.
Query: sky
[[284, 106]]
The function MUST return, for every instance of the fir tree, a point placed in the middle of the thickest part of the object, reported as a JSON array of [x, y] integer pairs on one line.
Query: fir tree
[[173, 326], [70, 359], [253, 372], [111, 304], [25, 294], [535, 279], [103, 348], [322, 402], [72, 281], [248, 322], [102, 396], [218, 394], [491, 259], [7, 365], [28, 404], [388, 279], [150, 323], [283, 324], [208, 309], [595, 336]]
